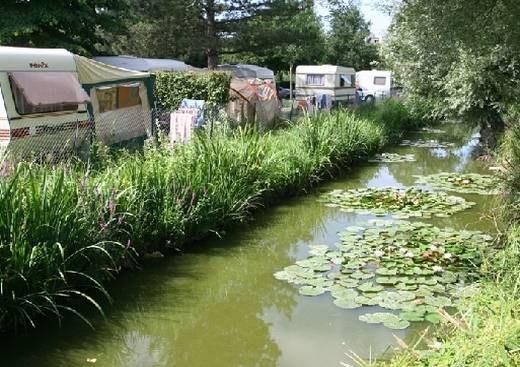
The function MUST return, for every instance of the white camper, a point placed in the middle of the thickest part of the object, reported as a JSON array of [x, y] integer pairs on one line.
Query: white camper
[[43, 108], [332, 80], [373, 84]]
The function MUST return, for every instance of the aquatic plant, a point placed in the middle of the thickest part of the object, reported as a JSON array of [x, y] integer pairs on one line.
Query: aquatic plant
[[468, 183], [410, 267], [421, 143], [402, 203], [392, 158]]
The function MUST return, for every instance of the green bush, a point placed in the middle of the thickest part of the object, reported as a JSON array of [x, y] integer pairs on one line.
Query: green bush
[[172, 87]]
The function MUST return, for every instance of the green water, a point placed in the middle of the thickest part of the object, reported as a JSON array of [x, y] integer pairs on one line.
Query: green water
[[219, 305]]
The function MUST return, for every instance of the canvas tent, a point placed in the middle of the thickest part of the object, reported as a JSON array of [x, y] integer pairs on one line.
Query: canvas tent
[[121, 100], [144, 64], [253, 100]]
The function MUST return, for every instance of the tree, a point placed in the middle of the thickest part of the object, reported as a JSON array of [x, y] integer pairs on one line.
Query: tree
[[76, 25], [219, 29], [290, 36], [459, 58], [347, 40]]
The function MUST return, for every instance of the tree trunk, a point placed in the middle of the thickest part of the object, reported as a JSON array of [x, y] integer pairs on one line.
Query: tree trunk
[[491, 126], [211, 34]]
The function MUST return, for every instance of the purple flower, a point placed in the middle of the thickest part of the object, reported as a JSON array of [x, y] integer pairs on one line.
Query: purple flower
[[120, 220], [129, 244], [103, 225], [111, 206]]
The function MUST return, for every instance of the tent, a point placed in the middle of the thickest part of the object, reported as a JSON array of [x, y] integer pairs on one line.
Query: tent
[[121, 100], [253, 100]]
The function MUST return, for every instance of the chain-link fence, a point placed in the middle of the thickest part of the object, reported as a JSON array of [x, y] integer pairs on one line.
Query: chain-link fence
[[54, 141]]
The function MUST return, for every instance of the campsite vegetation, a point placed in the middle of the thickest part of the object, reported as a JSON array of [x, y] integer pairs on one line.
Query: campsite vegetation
[[66, 229]]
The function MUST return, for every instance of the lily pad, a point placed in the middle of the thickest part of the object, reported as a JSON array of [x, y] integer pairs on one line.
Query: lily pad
[[392, 158], [468, 183], [347, 304], [370, 287], [411, 202], [311, 291]]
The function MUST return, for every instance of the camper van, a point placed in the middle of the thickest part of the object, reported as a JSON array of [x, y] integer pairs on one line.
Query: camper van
[[373, 84], [332, 80], [43, 108]]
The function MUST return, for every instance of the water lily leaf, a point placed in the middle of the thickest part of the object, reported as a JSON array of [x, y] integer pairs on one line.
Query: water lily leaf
[[344, 293], [412, 315], [347, 304], [370, 287], [433, 317], [311, 291], [439, 301]]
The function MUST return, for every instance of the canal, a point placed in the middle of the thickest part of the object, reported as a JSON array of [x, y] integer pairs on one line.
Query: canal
[[219, 305]]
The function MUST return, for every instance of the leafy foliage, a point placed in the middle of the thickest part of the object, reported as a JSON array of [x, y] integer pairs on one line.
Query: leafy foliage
[[75, 25], [172, 88], [346, 42], [470, 68]]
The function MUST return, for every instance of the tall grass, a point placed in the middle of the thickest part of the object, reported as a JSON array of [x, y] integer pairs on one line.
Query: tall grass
[[65, 230]]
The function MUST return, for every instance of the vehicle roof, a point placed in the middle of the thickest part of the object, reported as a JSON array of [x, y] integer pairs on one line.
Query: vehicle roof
[[248, 71], [144, 64], [374, 72], [36, 59], [324, 69]]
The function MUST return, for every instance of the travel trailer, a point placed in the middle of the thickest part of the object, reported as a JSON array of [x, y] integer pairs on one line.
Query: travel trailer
[[338, 82], [373, 84], [52, 101], [43, 108]]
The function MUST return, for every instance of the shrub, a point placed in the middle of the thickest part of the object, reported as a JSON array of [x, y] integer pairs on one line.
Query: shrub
[[172, 87]]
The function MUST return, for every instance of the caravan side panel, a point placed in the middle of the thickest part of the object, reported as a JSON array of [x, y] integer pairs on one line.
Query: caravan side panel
[[5, 133]]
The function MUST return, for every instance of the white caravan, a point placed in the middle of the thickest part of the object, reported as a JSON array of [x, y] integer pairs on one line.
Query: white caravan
[[332, 80], [373, 84], [43, 108]]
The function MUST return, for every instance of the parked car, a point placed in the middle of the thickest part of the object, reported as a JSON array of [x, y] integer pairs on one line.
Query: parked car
[[284, 93]]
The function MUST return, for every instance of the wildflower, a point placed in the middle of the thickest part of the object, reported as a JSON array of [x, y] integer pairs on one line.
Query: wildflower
[[409, 254], [448, 256], [437, 269], [111, 206], [129, 244], [434, 248], [120, 220], [103, 225], [379, 253]]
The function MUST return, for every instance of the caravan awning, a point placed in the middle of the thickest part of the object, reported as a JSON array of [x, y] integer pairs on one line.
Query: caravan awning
[[95, 72], [46, 91]]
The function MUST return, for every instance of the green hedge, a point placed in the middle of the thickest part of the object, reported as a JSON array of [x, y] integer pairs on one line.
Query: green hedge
[[172, 87]]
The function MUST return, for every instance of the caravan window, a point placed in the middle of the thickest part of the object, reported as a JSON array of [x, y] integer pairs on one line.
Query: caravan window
[[346, 80], [380, 80], [44, 92], [315, 79], [118, 96]]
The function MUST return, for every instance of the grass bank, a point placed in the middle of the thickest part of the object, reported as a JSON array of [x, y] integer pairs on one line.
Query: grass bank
[[65, 230], [487, 331]]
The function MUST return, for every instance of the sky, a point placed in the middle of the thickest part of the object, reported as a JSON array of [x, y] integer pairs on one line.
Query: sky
[[379, 21]]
